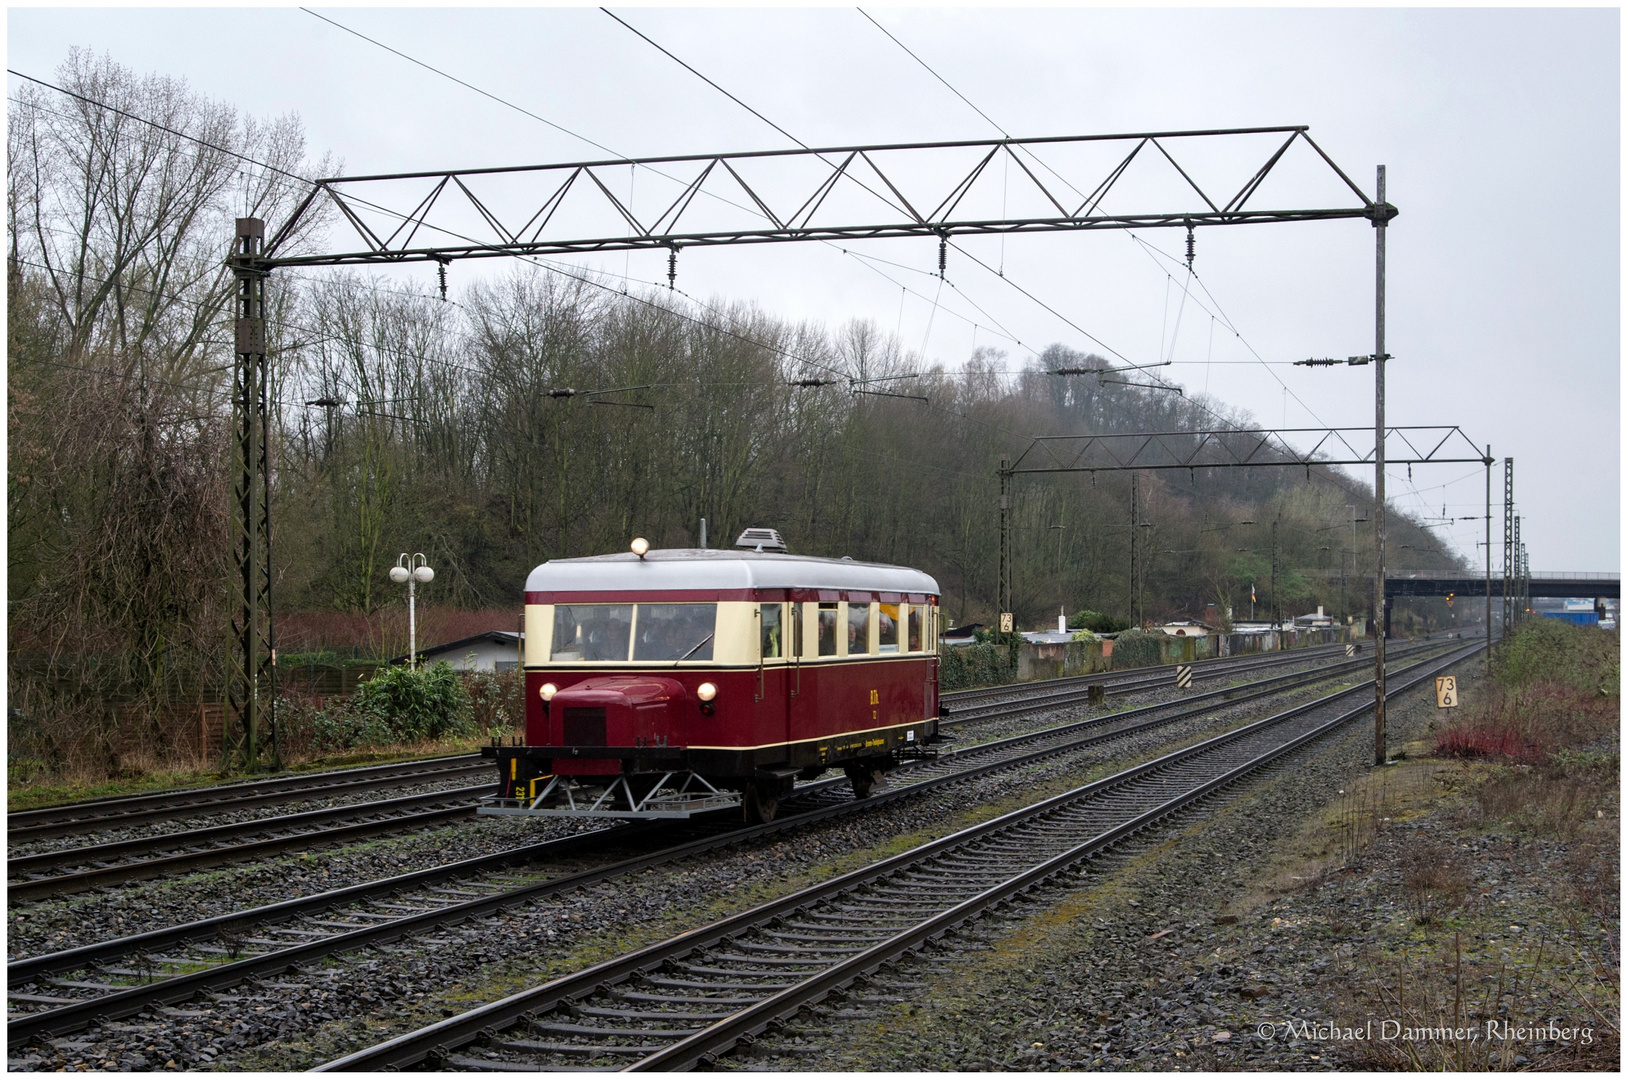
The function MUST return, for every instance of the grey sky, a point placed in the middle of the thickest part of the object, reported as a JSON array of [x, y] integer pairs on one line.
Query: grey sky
[[1499, 128]]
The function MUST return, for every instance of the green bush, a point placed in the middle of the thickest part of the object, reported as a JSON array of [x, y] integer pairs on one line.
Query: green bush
[[1539, 649], [1139, 648], [429, 703], [1097, 622]]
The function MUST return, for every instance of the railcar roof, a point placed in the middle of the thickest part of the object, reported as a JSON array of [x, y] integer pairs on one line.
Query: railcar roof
[[714, 568]]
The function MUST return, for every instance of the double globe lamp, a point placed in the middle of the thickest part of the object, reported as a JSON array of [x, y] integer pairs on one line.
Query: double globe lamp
[[410, 570]]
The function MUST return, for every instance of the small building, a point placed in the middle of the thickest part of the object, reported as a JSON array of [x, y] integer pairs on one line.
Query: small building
[[960, 635], [495, 650], [1186, 628], [1315, 621]]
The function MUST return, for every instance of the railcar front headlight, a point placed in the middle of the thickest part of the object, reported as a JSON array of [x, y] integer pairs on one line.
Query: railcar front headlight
[[706, 691], [640, 546], [547, 691]]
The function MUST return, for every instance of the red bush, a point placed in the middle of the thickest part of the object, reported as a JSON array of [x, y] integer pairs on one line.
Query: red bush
[[1488, 742]]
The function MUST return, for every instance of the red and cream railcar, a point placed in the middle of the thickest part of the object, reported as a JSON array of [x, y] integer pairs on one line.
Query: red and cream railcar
[[669, 682]]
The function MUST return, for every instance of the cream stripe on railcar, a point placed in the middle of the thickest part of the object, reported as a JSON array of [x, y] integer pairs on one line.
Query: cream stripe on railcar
[[539, 634]]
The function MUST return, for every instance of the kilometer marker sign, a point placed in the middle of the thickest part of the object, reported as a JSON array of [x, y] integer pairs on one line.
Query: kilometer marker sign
[[1446, 691]]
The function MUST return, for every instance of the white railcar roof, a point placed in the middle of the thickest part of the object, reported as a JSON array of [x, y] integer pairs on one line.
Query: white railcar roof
[[722, 569]]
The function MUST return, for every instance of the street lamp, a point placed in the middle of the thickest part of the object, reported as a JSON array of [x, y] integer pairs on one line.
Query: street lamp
[[410, 570]]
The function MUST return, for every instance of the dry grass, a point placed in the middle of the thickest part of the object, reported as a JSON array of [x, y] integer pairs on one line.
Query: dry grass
[[1454, 1014]]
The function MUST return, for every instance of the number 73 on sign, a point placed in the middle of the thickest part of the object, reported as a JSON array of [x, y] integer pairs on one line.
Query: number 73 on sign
[[1446, 691]]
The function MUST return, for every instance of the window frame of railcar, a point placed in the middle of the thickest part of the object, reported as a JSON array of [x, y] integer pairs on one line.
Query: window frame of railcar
[[837, 647], [577, 625], [884, 648], [704, 651], [731, 643], [780, 654], [849, 609]]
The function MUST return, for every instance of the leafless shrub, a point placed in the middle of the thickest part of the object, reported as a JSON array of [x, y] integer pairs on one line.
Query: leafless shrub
[[1434, 879]]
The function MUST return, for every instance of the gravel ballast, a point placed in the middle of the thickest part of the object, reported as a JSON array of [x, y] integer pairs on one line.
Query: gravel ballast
[[1232, 941]]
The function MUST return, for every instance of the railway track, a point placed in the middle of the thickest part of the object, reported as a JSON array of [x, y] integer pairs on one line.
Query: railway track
[[124, 976], [1134, 680], [34, 876], [97, 815], [692, 998]]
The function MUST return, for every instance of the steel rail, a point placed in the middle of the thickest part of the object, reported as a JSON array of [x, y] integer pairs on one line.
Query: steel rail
[[1064, 695], [1152, 673], [403, 812], [96, 809], [439, 1040], [124, 1001], [464, 766]]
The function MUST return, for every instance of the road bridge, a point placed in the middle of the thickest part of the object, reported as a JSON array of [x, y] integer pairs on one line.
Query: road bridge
[[1559, 584], [1565, 584]]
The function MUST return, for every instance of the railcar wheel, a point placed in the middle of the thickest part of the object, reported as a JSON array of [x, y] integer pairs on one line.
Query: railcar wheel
[[862, 778], [758, 807]]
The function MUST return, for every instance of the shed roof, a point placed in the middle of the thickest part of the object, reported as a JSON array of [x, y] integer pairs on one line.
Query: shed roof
[[506, 638]]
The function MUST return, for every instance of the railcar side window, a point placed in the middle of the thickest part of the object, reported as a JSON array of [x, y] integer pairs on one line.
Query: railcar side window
[[828, 629], [769, 631], [859, 629], [675, 631], [591, 631], [915, 626], [887, 628]]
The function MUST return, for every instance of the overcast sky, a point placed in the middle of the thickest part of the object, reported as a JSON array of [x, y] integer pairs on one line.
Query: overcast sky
[[1499, 129]]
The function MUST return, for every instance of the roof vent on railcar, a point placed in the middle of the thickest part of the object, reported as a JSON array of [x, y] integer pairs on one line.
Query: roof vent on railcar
[[761, 540]]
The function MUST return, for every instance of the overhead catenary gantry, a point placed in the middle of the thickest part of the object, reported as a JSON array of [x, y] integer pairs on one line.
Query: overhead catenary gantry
[[935, 189], [841, 193], [1235, 448]]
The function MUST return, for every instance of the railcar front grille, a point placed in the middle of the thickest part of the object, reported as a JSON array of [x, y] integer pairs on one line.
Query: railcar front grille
[[585, 726]]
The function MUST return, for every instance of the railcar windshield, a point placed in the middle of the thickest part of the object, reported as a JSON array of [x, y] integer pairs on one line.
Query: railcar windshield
[[591, 631], [675, 632]]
